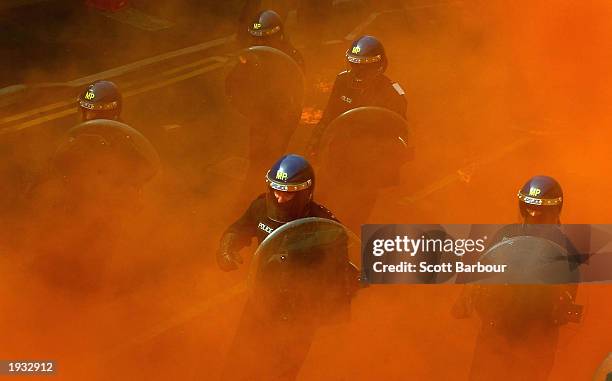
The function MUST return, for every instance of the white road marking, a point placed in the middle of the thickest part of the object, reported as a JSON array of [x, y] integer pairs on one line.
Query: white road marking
[[179, 78], [10, 90], [138, 19], [148, 61], [38, 110], [57, 105], [156, 85], [373, 16], [359, 28]]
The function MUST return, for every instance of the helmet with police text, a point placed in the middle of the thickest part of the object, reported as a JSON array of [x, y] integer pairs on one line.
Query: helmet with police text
[[100, 100], [540, 200], [103, 154], [290, 188], [267, 25], [366, 59]]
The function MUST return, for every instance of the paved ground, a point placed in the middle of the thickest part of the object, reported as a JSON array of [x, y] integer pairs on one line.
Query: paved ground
[[483, 124]]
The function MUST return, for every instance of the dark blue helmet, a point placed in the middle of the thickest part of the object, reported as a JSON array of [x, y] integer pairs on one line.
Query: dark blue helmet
[[267, 24], [541, 200], [290, 188], [100, 100], [366, 59]]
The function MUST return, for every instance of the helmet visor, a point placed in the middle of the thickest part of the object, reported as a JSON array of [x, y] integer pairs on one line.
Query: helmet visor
[[284, 206], [538, 214], [364, 72]]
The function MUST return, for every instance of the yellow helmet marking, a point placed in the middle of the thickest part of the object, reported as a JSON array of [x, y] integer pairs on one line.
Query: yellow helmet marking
[[281, 175], [533, 191]]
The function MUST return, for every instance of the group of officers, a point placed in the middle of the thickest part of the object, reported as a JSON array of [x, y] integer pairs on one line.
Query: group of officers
[[289, 196]]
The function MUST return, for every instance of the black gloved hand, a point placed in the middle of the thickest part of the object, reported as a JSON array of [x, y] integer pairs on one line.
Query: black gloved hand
[[228, 259]]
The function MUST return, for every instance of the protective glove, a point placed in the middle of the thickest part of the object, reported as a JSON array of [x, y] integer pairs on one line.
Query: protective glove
[[228, 258]]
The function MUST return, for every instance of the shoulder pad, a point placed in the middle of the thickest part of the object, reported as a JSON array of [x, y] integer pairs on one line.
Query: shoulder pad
[[321, 210], [398, 88]]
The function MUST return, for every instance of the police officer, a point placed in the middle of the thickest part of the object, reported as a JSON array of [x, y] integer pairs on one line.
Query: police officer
[[287, 304], [99, 171], [100, 100], [362, 84], [520, 323], [267, 29], [289, 197]]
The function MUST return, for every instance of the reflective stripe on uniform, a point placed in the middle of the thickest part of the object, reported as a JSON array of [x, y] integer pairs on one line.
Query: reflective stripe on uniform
[[398, 88]]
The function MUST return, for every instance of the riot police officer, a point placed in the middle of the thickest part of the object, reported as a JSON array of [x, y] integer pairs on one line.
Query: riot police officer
[[362, 84], [289, 197], [267, 29], [300, 277], [98, 172], [100, 100], [520, 322]]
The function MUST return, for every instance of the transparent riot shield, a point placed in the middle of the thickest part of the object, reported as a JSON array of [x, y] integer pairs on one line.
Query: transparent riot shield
[[303, 271], [527, 260], [93, 145], [361, 152], [372, 266], [537, 288], [265, 84], [366, 146]]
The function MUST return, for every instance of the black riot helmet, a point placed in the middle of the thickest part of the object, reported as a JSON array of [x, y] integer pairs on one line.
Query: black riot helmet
[[290, 188], [366, 59], [100, 100], [540, 200], [103, 154], [267, 25]]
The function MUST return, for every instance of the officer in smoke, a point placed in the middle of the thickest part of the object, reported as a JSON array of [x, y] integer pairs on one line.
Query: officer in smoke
[[300, 278], [521, 322], [362, 84], [289, 197], [267, 29], [97, 176]]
